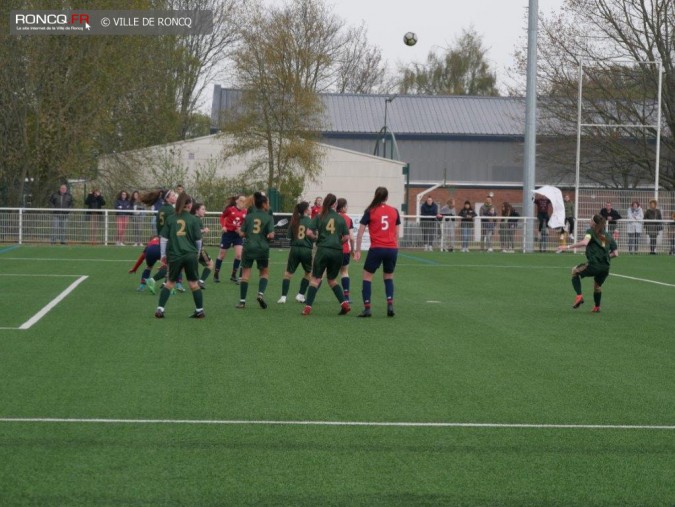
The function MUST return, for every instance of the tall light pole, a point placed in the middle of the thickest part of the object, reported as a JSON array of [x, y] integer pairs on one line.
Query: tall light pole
[[530, 126], [387, 101]]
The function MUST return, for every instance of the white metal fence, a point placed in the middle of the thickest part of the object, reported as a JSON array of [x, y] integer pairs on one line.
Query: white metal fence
[[108, 227]]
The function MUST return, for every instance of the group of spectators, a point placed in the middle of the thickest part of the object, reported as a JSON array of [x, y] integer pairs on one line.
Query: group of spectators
[[650, 221], [130, 215], [430, 215]]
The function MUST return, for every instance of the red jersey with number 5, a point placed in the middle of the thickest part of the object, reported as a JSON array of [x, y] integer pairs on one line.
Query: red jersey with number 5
[[382, 222]]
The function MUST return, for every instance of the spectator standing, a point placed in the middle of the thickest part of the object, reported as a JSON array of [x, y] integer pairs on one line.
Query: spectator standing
[[507, 228], [467, 214], [448, 237], [487, 225], [94, 201], [61, 201], [671, 230], [611, 215], [123, 207], [653, 228], [634, 226], [569, 217], [138, 209], [543, 208], [429, 215]]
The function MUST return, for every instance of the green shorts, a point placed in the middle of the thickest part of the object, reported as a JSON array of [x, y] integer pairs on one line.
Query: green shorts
[[261, 258], [189, 263], [299, 255], [328, 260], [599, 273]]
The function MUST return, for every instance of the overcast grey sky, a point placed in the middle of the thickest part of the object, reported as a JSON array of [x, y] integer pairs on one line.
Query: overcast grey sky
[[502, 24]]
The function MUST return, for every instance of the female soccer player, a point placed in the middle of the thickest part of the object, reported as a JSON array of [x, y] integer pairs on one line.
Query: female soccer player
[[600, 247], [258, 229], [180, 243], [150, 254], [199, 210], [300, 252], [231, 220], [330, 231], [166, 200], [383, 222], [347, 247]]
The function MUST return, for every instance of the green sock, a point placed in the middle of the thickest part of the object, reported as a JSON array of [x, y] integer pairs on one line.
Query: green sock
[[311, 294], [285, 285], [198, 297], [597, 296], [164, 296], [339, 293], [262, 285], [576, 283], [205, 274], [304, 283], [243, 289]]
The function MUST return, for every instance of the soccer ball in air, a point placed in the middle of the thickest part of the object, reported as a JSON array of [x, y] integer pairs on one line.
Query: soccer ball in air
[[410, 39]]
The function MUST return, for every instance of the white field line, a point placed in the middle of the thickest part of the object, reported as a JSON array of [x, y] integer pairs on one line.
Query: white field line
[[217, 422], [643, 280], [35, 318], [41, 276]]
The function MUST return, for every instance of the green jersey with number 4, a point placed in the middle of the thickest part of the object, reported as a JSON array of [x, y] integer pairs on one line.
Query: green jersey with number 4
[[330, 229]]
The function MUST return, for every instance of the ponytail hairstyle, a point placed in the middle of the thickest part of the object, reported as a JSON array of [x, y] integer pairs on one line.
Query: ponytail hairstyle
[[151, 197], [598, 227], [232, 201], [381, 196], [259, 200], [328, 204], [195, 207], [182, 202], [298, 213], [341, 205]]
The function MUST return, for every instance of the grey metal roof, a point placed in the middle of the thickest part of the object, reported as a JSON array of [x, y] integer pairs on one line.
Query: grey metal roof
[[425, 115], [408, 114]]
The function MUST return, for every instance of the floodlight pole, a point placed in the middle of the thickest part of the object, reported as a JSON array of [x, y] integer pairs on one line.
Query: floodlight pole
[[530, 126], [386, 103], [658, 134]]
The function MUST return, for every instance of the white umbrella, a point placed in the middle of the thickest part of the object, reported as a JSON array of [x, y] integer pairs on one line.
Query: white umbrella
[[553, 194]]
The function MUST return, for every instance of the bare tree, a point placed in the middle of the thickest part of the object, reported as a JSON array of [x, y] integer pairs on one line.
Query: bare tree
[[286, 54], [615, 40], [360, 68]]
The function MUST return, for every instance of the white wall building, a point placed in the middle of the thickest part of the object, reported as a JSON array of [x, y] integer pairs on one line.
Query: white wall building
[[346, 173]]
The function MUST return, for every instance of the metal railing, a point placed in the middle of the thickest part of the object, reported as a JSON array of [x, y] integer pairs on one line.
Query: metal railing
[[495, 234]]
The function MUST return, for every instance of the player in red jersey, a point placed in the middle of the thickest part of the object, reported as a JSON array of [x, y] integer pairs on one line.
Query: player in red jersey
[[231, 220], [347, 247], [383, 222], [150, 254], [316, 208]]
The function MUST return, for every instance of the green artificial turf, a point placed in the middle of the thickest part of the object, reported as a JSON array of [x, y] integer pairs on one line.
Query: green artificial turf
[[184, 407]]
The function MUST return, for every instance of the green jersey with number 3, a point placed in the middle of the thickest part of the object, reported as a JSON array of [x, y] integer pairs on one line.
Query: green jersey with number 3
[[257, 225]]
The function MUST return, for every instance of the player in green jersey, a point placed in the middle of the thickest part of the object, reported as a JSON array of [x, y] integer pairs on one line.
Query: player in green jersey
[[163, 201], [257, 231], [199, 210], [600, 247], [180, 244], [300, 253], [330, 231]]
